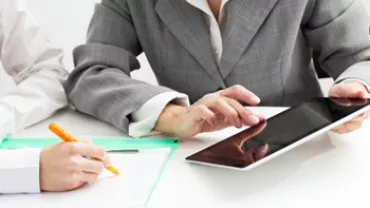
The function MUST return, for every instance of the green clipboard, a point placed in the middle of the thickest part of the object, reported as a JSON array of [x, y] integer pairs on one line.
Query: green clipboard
[[109, 144]]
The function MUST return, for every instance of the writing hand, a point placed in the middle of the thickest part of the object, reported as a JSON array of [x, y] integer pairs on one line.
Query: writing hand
[[66, 166]]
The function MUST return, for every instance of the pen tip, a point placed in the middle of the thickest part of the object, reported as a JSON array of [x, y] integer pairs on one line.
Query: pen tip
[[113, 170]]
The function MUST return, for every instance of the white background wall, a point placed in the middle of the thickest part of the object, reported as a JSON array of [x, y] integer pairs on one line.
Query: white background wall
[[66, 22]]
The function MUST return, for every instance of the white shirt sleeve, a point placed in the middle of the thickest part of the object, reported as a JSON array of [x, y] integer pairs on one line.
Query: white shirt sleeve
[[145, 118], [19, 171], [36, 67]]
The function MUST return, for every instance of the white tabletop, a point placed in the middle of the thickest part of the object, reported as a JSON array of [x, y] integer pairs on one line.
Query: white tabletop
[[326, 172]]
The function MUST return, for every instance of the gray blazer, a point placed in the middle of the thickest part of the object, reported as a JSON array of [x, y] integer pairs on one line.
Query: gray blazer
[[268, 46]]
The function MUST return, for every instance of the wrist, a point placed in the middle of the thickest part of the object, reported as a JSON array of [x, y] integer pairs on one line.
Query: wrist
[[41, 182], [170, 118]]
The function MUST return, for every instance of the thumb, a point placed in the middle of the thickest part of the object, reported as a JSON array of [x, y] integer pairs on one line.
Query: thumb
[[348, 90]]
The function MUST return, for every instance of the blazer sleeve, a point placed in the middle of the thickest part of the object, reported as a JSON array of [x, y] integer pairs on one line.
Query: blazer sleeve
[[101, 85], [338, 32]]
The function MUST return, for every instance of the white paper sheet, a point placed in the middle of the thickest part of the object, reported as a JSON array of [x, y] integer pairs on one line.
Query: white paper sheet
[[139, 174]]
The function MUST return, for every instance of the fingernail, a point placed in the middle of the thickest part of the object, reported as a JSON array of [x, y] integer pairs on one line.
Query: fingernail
[[253, 120], [238, 123], [109, 163], [261, 117], [256, 99]]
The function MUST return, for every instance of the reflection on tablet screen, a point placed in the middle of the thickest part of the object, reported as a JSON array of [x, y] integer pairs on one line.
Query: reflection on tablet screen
[[278, 132]]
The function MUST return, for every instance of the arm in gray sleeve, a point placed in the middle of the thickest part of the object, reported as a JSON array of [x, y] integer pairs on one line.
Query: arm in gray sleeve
[[101, 84], [338, 32]]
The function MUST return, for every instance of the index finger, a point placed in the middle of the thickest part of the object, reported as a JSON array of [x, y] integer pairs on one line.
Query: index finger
[[238, 92], [92, 151]]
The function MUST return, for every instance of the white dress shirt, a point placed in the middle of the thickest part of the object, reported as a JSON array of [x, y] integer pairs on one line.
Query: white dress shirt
[[145, 118], [36, 67]]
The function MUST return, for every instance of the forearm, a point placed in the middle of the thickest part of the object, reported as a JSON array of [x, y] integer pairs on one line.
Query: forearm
[[340, 38], [34, 64], [359, 72], [101, 86], [36, 98]]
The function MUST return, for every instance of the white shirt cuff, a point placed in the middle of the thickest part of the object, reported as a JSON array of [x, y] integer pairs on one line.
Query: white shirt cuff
[[19, 171], [145, 118]]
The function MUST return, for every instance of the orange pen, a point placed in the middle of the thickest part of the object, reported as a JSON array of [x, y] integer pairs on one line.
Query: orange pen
[[68, 138]]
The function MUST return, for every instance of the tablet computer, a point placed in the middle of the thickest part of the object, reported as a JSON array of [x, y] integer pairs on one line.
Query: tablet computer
[[280, 133]]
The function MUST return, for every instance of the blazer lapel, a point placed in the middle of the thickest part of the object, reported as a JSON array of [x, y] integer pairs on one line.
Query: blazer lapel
[[188, 25], [242, 22]]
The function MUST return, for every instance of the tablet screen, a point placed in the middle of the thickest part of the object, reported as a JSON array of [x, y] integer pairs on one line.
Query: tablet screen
[[278, 132]]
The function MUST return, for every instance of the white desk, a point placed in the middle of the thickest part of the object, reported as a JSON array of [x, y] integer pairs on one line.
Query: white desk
[[321, 173]]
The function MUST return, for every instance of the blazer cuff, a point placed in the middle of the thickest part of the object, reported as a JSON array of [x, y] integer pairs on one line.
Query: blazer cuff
[[145, 118], [359, 72]]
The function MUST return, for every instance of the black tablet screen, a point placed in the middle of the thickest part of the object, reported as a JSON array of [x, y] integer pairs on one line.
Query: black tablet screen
[[278, 132]]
